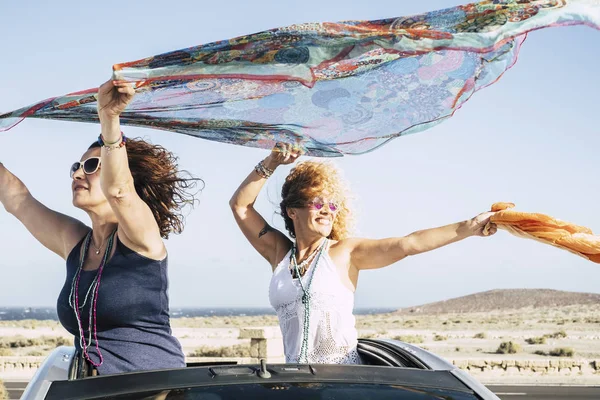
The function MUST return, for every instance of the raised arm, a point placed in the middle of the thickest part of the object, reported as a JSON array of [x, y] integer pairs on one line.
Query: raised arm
[[137, 227], [373, 254], [269, 242], [57, 232]]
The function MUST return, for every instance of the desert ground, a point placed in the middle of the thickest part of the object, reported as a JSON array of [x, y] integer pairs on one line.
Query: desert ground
[[453, 336], [567, 332]]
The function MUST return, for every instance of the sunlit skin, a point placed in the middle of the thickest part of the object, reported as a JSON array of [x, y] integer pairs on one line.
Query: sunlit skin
[[311, 226], [312, 223], [108, 196], [87, 192]]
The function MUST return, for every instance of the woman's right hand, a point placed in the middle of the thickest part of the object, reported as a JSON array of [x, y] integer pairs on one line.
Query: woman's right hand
[[283, 154], [113, 98]]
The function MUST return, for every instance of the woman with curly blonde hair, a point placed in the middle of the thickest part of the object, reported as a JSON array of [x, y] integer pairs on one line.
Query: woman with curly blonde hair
[[315, 275], [114, 300]]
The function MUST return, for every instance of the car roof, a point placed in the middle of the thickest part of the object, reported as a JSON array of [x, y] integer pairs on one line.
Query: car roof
[[137, 382], [384, 362]]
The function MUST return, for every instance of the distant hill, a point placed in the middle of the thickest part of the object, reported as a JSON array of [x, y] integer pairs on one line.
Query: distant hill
[[505, 299]]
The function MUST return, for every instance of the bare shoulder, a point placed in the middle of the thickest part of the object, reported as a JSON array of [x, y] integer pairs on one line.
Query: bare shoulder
[[152, 247], [340, 250], [345, 245], [343, 252], [73, 235]]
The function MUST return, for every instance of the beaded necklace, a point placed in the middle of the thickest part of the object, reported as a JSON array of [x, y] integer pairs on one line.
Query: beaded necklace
[[303, 266], [306, 298], [93, 290]]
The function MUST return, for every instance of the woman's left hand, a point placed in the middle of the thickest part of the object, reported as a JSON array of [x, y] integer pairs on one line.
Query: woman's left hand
[[481, 225], [113, 98]]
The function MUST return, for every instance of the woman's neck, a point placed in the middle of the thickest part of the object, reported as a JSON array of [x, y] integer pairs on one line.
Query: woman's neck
[[103, 224], [306, 246]]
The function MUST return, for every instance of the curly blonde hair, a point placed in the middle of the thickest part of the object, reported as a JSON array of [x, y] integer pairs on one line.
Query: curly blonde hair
[[308, 180]]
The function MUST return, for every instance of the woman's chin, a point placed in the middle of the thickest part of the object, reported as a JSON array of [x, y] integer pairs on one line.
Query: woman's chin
[[79, 202], [324, 231]]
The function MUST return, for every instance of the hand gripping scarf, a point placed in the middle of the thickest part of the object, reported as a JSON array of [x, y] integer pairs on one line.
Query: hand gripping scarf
[[543, 228], [334, 88]]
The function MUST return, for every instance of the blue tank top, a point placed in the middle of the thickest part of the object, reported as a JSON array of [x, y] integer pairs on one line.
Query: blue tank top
[[133, 328]]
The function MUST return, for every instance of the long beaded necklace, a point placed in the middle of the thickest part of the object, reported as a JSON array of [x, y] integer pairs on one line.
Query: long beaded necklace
[[93, 290], [303, 358], [303, 266]]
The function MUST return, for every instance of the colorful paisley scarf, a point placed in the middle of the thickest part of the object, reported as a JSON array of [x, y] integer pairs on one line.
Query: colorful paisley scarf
[[334, 88]]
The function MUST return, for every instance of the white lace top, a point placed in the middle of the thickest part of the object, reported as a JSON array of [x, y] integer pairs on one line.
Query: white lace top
[[332, 333]]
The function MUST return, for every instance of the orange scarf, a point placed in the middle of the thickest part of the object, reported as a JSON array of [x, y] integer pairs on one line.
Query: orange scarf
[[543, 228]]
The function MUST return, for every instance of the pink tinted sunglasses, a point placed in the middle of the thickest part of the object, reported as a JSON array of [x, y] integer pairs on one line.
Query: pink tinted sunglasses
[[318, 204]]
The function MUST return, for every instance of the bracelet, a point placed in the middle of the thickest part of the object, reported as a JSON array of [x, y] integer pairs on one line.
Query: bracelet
[[114, 145], [262, 170]]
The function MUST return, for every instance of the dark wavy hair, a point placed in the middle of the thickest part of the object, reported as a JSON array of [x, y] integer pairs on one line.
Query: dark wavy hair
[[160, 184]]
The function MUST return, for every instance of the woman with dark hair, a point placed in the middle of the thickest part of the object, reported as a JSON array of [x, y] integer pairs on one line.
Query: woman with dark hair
[[315, 273], [115, 299]]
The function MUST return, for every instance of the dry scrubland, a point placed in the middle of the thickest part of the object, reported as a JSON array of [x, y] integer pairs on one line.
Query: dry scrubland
[[566, 328], [568, 331], [3, 392]]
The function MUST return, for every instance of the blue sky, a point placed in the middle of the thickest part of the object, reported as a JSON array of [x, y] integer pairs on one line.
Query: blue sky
[[531, 138]]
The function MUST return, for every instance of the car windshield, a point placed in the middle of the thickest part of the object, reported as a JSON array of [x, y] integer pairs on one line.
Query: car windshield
[[297, 391]]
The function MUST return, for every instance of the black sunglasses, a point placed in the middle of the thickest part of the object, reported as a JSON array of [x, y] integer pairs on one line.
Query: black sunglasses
[[90, 166]]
